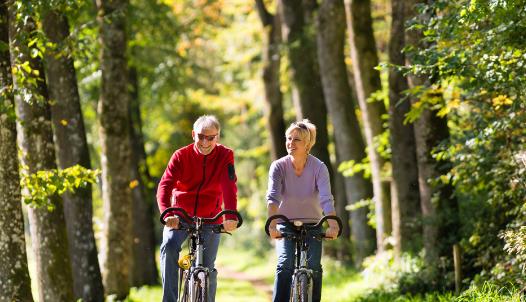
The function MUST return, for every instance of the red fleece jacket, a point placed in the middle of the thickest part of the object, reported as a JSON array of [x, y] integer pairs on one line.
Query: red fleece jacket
[[199, 183]]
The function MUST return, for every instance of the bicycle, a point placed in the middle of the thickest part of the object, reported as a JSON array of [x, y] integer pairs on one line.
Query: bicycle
[[191, 268], [302, 278]]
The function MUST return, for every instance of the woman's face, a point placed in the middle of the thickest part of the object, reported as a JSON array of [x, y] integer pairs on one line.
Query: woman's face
[[295, 144]]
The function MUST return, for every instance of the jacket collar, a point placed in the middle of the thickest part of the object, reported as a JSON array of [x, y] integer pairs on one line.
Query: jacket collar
[[212, 154]]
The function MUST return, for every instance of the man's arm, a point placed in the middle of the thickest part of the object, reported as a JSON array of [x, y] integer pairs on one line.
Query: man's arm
[[229, 188], [166, 184]]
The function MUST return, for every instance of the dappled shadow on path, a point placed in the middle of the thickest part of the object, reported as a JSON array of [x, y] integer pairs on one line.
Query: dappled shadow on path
[[259, 284]]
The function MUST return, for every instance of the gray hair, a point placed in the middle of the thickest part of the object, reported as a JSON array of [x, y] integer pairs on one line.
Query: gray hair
[[206, 122]]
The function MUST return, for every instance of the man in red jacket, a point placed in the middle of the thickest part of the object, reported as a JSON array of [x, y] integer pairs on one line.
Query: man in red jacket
[[201, 179]]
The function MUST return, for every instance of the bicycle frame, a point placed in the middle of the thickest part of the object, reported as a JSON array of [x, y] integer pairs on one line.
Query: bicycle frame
[[302, 278], [196, 277]]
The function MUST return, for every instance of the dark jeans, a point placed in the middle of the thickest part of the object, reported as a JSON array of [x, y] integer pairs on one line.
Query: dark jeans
[[285, 250], [170, 248]]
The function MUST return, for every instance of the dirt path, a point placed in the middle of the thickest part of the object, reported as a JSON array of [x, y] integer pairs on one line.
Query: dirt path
[[258, 283]]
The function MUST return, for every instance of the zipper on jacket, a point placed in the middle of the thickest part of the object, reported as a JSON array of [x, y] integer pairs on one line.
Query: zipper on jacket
[[200, 185]]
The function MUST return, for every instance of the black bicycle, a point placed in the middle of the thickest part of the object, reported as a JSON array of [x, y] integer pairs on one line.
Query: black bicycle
[[302, 279], [193, 275]]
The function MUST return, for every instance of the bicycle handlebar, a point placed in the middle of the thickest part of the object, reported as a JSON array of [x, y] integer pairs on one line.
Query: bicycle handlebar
[[287, 221], [184, 215]]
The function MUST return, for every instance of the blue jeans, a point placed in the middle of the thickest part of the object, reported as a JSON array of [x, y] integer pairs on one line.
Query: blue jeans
[[171, 246], [285, 250]]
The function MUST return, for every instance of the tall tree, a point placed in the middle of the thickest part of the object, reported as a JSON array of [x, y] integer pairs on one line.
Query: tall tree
[[367, 81], [113, 109], [307, 93], [72, 149], [271, 80], [347, 135], [438, 203], [406, 213], [15, 284], [144, 268], [35, 139]]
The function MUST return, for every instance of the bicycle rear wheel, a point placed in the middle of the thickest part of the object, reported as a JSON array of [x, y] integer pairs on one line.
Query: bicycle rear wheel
[[184, 292]]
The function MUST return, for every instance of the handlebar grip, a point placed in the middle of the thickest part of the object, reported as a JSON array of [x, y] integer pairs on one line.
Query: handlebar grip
[[227, 212], [274, 217], [331, 217], [181, 211]]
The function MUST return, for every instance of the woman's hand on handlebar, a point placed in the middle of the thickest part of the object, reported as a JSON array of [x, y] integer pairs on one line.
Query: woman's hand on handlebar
[[172, 222], [230, 225], [273, 230], [332, 231]]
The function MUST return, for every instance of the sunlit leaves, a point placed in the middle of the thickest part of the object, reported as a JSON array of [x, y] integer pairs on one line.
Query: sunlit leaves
[[40, 186]]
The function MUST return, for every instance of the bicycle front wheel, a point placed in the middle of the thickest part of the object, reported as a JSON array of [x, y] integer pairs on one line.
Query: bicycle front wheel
[[200, 287], [184, 292], [301, 288]]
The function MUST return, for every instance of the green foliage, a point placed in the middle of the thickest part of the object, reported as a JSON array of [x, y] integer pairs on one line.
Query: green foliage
[[474, 54], [351, 167], [40, 186], [516, 245]]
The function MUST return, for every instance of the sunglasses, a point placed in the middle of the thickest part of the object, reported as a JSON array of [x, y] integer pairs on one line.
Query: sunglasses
[[301, 125], [207, 137]]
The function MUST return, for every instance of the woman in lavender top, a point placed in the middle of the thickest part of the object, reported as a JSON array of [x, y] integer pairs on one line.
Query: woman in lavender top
[[299, 188]]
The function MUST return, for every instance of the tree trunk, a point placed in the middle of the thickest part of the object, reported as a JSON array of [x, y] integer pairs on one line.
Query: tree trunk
[[72, 149], [144, 268], [367, 81], [348, 138], [405, 198], [307, 91], [15, 284], [439, 205], [115, 148], [271, 80], [35, 139]]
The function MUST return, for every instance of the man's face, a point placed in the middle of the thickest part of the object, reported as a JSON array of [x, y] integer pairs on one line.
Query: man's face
[[205, 139]]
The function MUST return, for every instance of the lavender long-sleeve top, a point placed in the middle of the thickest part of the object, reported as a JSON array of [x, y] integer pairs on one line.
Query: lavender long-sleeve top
[[304, 197]]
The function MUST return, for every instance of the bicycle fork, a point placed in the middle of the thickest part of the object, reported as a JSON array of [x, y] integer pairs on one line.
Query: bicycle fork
[[199, 275], [302, 279]]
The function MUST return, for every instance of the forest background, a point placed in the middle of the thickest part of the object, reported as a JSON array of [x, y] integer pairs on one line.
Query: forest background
[[420, 112]]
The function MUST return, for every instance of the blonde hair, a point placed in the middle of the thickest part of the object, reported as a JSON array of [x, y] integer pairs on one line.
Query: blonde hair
[[306, 130]]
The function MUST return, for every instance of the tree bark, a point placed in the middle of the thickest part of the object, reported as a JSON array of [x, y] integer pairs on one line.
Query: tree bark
[[271, 80], [405, 198], [439, 205], [115, 148], [367, 81], [307, 90], [72, 149], [144, 267], [348, 138], [35, 139], [15, 284]]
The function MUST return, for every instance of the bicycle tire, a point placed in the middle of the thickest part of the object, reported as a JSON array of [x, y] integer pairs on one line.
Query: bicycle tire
[[301, 290], [199, 288]]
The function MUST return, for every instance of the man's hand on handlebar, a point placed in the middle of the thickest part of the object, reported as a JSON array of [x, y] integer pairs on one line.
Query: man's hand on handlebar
[[230, 225], [172, 222]]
